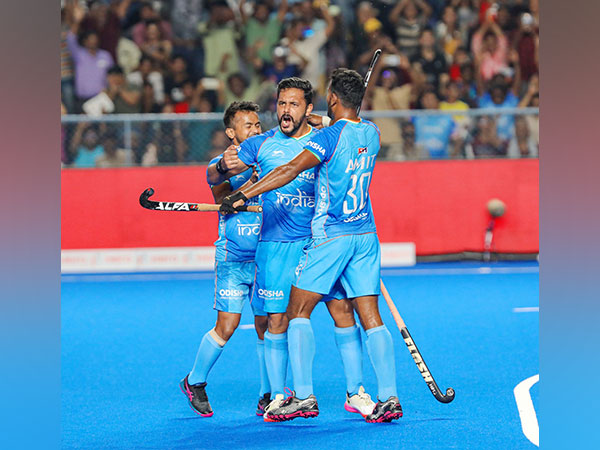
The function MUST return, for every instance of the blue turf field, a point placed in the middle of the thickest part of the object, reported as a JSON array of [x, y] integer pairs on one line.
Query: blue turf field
[[128, 341]]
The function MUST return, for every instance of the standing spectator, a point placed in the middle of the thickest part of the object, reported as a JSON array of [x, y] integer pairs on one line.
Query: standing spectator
[[434, 131], [526, 42], [221, 56], [280, 68], [409, 17], [175, 79], [262, 30], [85, 146], [148, 102], [67, 87], [359, 36], [146, 73], [91, 63], [148, 16], [532, 99], [125, 96], [486, 143], [105, 21], [185, 17], [448, 34], [238, 89], [305, 44], [490, 49], [430, 62], [154, 45]]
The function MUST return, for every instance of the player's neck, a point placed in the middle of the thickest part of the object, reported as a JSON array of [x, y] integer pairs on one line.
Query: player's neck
[[302, 131], [345, 113]]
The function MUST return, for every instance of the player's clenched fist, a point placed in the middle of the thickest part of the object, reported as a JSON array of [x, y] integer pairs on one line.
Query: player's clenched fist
[[230, 158]]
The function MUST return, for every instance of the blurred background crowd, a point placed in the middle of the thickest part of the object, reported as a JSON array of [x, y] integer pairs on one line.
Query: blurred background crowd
[[197, 56]]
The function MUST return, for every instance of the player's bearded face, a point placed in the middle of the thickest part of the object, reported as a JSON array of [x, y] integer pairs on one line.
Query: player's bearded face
[[292, 110]]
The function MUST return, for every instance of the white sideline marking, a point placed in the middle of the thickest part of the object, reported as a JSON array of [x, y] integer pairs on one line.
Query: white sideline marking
[[529, 422], [527, 309], [460, 271], [247, 326], [137, 277]]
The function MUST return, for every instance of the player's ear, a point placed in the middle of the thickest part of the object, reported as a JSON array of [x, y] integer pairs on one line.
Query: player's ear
[[230, 133], [309, 109]]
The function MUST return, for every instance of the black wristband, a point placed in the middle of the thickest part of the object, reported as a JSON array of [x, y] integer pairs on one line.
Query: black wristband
[[220, 168]]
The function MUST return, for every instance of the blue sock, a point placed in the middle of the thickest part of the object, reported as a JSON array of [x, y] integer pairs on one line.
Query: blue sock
[[276, 360], [301, 346], [264, 378], [350, 348], [208, 353], [381, 353]]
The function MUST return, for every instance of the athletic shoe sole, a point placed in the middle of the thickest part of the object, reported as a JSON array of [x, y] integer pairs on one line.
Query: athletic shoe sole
[[285, 417], [184, 390], [352, 409], [387, 417]]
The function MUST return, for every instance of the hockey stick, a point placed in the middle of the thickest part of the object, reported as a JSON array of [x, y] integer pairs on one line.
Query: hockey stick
[[369, 72], [182, 206], [414, 351]]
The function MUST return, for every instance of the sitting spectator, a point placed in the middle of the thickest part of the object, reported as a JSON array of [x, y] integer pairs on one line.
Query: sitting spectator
[[409, 18], [149, 103], [532, 99], [85, 146], [486, 143], [461, 121], [125, 96], [113, 156], [461, 57], [146, 73], [468, 85], [154, 45], [183, 106], [411, 151], [430, 62], [148, 16], [501, 96], [262, 30], [91, 63], [433, 131], [218, 143], [522, 144], [490, 49]]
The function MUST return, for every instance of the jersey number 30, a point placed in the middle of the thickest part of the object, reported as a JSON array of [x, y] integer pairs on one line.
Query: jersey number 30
[[362, 183]]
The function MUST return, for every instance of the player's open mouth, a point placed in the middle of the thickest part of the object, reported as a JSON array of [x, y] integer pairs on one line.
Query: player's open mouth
[[286, 121]]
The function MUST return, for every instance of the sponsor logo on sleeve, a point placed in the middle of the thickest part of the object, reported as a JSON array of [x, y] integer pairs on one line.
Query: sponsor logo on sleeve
[[316, 147]]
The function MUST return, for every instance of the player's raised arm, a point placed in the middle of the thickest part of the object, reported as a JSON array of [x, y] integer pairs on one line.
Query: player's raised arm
[[280, 176], [228, 166]]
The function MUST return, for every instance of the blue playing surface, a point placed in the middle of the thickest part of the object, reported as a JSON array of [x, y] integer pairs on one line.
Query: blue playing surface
[[128, 340]]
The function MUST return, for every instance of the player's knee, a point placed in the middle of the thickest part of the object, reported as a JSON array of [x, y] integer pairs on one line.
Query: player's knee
[[278, 323], [226, 327], [342, 313], [260, 324]]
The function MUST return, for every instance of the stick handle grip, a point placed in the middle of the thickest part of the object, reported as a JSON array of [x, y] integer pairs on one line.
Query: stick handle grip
[[392, 306], [211, 207]]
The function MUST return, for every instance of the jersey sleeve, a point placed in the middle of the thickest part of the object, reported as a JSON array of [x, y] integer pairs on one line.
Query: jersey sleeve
[[323, 143], [248, 150]]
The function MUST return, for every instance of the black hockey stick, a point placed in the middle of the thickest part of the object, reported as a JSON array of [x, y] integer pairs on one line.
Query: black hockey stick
[[415, 353], [183, 206], [376, 56]]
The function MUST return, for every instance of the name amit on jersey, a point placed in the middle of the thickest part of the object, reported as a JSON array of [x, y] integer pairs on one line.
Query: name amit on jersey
[[363, 162]]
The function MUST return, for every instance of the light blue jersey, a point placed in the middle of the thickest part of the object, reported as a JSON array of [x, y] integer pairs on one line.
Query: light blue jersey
[[238, 233], [347, 151], [289, 209]]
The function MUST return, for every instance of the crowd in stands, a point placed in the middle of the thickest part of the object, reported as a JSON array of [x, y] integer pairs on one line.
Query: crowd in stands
[[179, 56]]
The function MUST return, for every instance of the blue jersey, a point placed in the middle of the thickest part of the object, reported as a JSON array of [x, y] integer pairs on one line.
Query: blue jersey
[[238, 233], [347, 151], [433, 132], [287, 211]]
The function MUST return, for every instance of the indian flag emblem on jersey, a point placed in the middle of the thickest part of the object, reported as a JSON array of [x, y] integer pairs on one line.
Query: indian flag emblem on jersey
[[362, 150]]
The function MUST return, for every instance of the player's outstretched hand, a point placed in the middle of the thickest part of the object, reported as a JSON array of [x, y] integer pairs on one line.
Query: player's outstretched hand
[[230, 158], [231, 202]]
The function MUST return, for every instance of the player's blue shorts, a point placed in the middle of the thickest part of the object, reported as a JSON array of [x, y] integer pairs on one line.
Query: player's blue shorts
[[233, 285], [276, 264], [354, 260]]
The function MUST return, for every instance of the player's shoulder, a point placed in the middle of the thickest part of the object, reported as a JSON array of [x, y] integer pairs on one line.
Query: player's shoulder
[[257, 140], [370, 125]]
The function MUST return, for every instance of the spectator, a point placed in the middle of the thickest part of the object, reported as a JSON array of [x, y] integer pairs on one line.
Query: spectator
[[304, 45], [154, 45], [460, 58], [430, 62], [85, 146], [104, 20], [454, 103], [409, 17], [411, 151], [468, 85], [185, 17], [262, 30], [148, 102], [91, 63], [218, 142], [448, 34], [175, 79], [238, 89], [433, 132], [359, 37], [532, 99], [280, 68], [67, 87], [113, 156], [184, 105], [148, 16], [526, 43], [522, 144], [146, 73], [221, 57], [125, 96], [490, 49], [486, 143]]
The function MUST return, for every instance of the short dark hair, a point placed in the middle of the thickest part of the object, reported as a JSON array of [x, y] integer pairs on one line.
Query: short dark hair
[[349, 86], [297, 83], [234, 108], [115, 70]]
